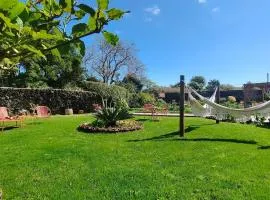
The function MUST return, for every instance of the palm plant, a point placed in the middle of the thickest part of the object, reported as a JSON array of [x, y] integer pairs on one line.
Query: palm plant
[[109, 115]]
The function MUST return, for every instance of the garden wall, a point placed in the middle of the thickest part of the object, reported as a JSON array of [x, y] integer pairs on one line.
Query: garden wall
[[57, 100]]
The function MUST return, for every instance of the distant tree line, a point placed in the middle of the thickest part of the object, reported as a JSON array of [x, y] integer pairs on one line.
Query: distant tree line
[[199, 83]]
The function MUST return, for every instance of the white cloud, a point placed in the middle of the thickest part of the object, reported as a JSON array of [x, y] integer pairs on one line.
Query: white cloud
[[202, 1], [216, 9], [155, 10]]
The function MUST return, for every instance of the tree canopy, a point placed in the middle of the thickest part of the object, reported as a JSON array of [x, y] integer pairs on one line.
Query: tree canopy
[[197, 82], [212, 84], [110, 63], [39, 27]]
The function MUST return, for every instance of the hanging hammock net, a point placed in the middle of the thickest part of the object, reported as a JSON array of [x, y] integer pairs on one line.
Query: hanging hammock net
[[221, 112]]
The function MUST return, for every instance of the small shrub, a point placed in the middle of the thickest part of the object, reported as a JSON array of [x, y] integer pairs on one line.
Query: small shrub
[[146, 98], [108, 116], [174, 107], [188, 109], [231, 99], [138, 100], [161, 103]]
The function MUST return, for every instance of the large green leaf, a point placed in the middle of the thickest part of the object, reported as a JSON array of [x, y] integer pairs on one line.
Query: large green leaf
[[33, 50], [19, 23], [79, 29], [92, 23], [64, 49], [8, 23], [79, 14], [67, 5], [56, 53], [8, 4], [87, 9], [16, 10], [81, 47], [110, 37], [44, 35], [115, 14], [103, 4], [24, 15]]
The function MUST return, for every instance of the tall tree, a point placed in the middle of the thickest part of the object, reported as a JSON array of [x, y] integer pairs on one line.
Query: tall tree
[[132, 83], [212, 84], [227, 87], [39, 27], [52, 72], [197, 82], [111, 62]]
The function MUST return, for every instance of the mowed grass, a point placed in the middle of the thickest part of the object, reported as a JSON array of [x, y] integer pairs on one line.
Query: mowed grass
[[50, 159]]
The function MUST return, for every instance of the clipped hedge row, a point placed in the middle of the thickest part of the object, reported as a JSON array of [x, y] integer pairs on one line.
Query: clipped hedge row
[[57, 100]]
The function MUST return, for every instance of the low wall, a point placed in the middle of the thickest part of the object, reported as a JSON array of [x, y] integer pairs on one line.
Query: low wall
[[57, 100]]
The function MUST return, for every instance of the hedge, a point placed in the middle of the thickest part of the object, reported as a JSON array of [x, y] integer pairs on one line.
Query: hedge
[[57, 100]]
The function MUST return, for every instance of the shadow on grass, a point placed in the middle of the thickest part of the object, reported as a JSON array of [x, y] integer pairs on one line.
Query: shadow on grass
[[166, 136], [142, 120], [264, 147], [149, 119], [218, 140], [189, 129], [9, 128]]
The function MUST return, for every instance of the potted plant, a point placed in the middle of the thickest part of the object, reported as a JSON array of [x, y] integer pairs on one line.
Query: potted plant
[[69, 111]]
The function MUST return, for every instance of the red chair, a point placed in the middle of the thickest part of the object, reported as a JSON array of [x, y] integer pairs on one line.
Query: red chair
[[165, 110], [150, 108], [96, 107], [42, 112], [4, 117]]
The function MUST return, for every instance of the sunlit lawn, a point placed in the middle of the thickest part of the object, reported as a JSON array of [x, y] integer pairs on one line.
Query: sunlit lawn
[[49, 159]]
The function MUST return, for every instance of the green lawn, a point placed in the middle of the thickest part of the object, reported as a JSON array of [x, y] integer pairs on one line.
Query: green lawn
[[49, 159]]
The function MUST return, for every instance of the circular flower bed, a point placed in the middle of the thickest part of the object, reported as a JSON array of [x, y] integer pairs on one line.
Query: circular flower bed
[[122, 126]]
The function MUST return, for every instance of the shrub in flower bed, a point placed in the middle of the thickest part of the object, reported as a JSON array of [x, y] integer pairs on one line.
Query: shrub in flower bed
[[111, 119], [121, 126]]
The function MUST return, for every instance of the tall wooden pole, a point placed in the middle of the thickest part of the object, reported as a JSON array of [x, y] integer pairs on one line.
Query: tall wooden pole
[[182, 106], [218, 100]]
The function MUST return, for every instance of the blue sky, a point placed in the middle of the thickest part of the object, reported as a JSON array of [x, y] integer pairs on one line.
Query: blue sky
[[228, 40]]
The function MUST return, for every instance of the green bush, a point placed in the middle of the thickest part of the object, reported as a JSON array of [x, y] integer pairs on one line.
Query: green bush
[[138, 100], [109, 115], [146, 98], [160, 103], [173, 107], [113, 93], [188, 109], [231, 99]]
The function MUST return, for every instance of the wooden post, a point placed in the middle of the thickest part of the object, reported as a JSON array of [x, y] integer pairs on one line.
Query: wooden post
[[182, 106], [218, 100]]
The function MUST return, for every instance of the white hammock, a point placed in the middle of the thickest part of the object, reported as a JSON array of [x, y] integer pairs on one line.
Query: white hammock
[[198, 109], [222, 112]]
